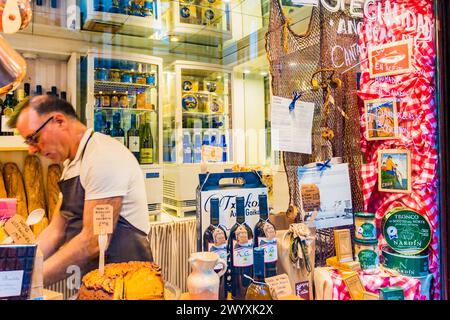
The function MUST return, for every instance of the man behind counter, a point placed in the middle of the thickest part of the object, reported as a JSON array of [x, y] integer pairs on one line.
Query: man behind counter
[[97, 170]]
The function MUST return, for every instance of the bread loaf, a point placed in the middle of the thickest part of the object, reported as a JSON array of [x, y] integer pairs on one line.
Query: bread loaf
[[34, 187], [3, 193], [15, 188], [53, 176]]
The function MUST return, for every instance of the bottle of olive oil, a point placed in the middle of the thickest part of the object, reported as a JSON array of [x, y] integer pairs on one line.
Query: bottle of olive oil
[[258, 289], [265, 237], [215, 240], [240, 247]]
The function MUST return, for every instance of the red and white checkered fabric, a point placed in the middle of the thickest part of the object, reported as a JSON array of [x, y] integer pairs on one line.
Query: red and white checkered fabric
[[373, 282], [417, 115]]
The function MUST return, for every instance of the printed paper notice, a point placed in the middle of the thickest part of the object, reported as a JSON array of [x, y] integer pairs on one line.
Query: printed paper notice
[[291, 129], [10, 283], [279, 286], [103, 219]]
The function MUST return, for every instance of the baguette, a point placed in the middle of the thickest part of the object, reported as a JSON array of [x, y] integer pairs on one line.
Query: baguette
[[34, 187], [15, 188], [3, 193], [53, 176]]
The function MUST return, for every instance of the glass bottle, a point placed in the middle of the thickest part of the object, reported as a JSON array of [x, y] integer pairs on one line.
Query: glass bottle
[[38, 90], [197, 147], [115, 7], [7, 111], [27, 88], [223, 144], [106, 130], [54, 91], [117, 131], [265, 237], [98, 122], [240, 247], [146, 141], [133, 142], [187, 148], [98, 5], [258, 289], [215, 240]]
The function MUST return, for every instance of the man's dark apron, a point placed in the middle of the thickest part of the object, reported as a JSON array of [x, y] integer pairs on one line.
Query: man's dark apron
[[127, 243]]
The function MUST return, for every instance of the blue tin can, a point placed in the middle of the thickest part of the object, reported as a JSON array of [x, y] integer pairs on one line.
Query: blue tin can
[[138, 78], [101, 74], [123, 4], [148, 8], [126, 77], [150, 79]]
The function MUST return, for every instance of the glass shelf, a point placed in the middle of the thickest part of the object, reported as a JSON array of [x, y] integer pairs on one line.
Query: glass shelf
[[123, 109], [203, 114], [204, 129], [112, 86], [205, 93]]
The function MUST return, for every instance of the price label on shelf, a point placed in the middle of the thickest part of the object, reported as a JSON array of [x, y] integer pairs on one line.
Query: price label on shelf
[[212, 154], [103, 219]]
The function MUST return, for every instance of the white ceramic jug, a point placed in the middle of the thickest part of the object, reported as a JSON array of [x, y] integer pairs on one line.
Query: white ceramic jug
[[203, 282]]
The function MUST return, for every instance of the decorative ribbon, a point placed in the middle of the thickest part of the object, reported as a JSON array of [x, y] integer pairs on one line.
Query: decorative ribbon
[[296, 95], [286, 33], [324, 166]]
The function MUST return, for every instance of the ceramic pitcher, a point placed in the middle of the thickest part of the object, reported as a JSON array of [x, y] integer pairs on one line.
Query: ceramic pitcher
[[203, 282]]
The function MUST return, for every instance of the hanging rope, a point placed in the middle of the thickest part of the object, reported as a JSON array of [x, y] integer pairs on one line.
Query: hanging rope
[[287, 22]]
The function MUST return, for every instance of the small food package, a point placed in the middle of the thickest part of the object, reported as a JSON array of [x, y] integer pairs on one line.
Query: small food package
[[343, 244], [354, 285], [392, 293], [7, 210]]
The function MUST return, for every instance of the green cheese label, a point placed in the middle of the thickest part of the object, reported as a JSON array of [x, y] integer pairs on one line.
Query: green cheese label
[[368, 230], [407, 231], [368, 259]]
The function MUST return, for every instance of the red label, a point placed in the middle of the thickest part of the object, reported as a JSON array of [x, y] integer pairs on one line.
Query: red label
[[302, 290]]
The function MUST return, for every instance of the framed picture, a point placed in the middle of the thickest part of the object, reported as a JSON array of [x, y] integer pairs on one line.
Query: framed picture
[[391, 59], [394, 171], [381, 119]]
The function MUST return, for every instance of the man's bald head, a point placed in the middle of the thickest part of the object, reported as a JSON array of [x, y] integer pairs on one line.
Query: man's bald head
[[50, 127], [43, 105]]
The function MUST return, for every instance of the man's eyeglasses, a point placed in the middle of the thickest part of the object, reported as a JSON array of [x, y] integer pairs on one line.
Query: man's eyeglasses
[[33, 139]]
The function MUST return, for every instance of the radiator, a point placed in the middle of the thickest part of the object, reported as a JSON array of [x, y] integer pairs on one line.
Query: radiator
[[62, 287], [171, 244]]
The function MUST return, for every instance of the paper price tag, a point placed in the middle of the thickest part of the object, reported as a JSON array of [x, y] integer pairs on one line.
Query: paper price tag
[[310, 197], [279, 286], [103, 219], [212, 154], [16, 227]]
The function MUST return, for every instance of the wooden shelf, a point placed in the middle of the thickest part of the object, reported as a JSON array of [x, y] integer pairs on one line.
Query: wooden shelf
[[12, 143]]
